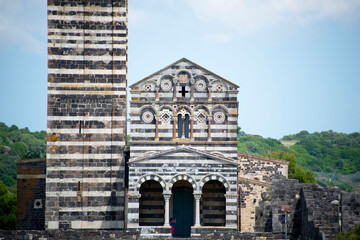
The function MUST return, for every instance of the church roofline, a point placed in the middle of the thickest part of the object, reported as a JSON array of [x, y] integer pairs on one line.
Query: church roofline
[[252, 156], [180, 60], [182, 148]]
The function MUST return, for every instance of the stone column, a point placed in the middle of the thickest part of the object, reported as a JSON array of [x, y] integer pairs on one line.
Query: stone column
[[167, 209], [183, 128], [174, 127], [197, 210], [192, 93], [174, 92], [157, 94], [209, 96], [209, 127], [157, 128], [192, 127]]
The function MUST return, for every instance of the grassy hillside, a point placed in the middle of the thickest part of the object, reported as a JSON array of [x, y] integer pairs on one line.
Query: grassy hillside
[[333, 157], [16, 144]]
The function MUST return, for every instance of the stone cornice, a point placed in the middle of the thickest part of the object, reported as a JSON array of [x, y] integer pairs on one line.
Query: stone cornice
[[183, 148]]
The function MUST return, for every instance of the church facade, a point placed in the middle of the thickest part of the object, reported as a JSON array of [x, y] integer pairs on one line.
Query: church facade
[[182, 162], [183, 149]]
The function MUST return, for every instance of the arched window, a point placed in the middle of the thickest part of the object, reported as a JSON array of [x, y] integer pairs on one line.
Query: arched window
[[183, 126], [186, 126], [180, 126]]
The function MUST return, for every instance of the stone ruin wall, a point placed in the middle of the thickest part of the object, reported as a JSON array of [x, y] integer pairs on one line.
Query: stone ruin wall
[[314, 211], [254, 181]]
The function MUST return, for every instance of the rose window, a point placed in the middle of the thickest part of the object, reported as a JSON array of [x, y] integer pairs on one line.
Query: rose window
[[166, 85], [219, 117], [147, 117], [200, 85]]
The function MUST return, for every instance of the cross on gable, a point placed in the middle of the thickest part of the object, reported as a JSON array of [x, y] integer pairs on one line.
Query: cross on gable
[[183, 91]]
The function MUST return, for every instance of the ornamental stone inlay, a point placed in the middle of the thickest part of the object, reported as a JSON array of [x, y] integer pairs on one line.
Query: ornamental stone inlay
[[147, 117], [165, 117], [219, 117], [147, 87], [200, 85], [166, 85], [200, 117]]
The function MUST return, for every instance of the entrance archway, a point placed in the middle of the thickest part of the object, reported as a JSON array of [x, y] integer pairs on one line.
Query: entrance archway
[[183, 208], [213, 204], [151, 209]]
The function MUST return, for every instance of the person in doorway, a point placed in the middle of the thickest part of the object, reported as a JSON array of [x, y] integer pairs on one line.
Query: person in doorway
[[172, 224]]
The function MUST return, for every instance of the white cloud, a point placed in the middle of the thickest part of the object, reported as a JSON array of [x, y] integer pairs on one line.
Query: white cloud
[[252, 15], [23, 24]]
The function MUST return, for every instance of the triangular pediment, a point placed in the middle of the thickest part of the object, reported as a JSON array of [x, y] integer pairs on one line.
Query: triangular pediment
[[182, 64], [195, 153]]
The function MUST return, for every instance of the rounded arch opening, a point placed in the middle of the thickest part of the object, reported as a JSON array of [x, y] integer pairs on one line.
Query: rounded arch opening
[[151, 205], [182, 207], [213, 204]]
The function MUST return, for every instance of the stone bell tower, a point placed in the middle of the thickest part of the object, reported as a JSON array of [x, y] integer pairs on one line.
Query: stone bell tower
[[87, 82]]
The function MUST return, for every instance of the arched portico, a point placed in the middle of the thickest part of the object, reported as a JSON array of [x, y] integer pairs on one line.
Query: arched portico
[[213, 204], [151, 204]]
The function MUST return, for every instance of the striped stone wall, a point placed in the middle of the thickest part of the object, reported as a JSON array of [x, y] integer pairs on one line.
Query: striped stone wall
[[209, 101], [194, 166], [87, 81]]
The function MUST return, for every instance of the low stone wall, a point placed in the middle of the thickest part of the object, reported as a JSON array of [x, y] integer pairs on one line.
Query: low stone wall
[[69, 235], [123, 235]]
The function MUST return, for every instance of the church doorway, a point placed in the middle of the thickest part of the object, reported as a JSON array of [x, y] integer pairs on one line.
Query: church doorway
[[151, 208], [213, 204], [183, 208]]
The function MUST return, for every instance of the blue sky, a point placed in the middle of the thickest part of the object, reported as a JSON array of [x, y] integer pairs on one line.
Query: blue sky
[[297, 62]]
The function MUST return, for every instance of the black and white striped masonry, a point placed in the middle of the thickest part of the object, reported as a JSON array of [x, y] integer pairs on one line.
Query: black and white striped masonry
[[87, 82], [183, 137]]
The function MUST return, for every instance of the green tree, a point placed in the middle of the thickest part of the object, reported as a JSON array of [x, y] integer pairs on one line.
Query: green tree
[[7, 208], [353, 234], [295, 171]]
